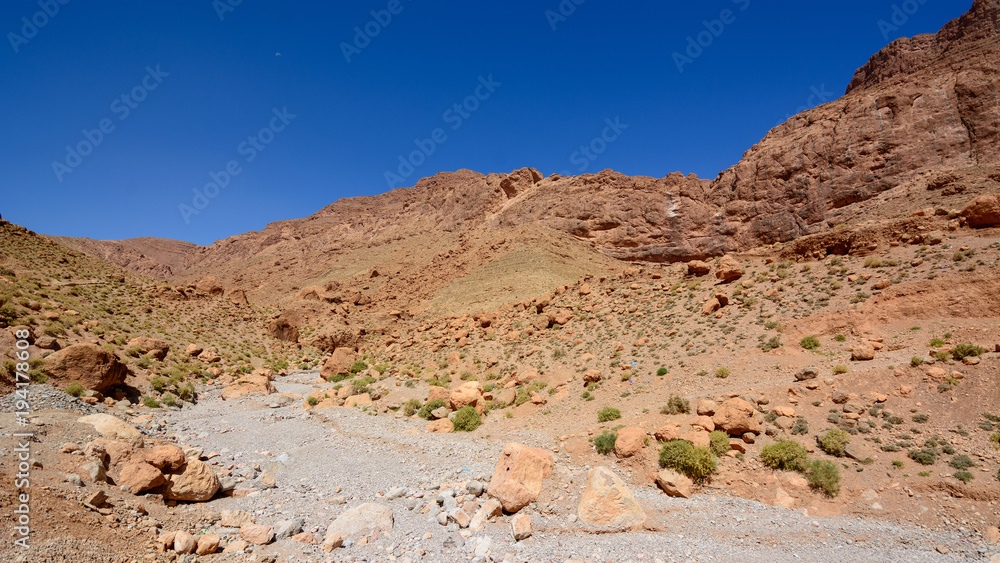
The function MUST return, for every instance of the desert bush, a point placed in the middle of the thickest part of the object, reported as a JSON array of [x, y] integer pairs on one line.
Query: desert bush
[[921, 418], [962, 462], [604, 443], [839, 369], [825, 476], [358, 366], [916, 361], [467, 419], [676, 405], [427, 409], [718, 442], [771, 344], [722, 373], [608, 414], [74, 389], [873, 262], [809, 343], [786, 455], [965, 350], [964, 476], [800, 428], [313, 401], [681, 456], [169, 399], [411, 407], [923, 456], [662, 371], [150, 402], [834, 441]]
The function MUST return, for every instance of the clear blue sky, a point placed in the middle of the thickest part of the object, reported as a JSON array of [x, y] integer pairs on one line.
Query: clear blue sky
[[197, 86]]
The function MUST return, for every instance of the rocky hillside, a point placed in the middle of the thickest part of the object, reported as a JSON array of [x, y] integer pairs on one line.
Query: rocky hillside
[[921, 113]]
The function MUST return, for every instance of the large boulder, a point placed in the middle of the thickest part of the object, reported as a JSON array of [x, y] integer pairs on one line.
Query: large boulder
[[248, 384], [863, 351], [362, 520], [517, 480], [209, 284], [984, 211], [698, 268], [195, 481], [139, 476], [608, 503], [339, 363], [282, 329], [675, 484], [158, 348], [86, 364], [114, 429], [630, 441], [469, 394], [167, 458], [736, 417], [728, 269]]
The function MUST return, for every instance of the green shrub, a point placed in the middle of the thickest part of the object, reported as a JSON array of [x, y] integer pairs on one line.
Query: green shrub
[[825, 476], [774, 342], [719, 442], [840, 338], [921, 418], [809, 343], [358, 366], [681, 456], [313, 401], [964, 476], [662, 371], [924, 456], [839, 369], [411, 407], [151, 402], [467, 419], [608, 414], [157, 383], [936, 343], [800, 428], [834, 441], [74, 389], [962, 462], [169, 399], [605, 442], [427, 409], [965, 350], [676, 405], [916, 361], [786, 455], [722, 373]]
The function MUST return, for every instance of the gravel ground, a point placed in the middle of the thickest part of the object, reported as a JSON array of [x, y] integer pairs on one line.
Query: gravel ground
[[46, 397], [327, 461]]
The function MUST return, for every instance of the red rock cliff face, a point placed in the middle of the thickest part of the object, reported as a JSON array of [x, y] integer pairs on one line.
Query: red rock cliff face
[[925, 103]]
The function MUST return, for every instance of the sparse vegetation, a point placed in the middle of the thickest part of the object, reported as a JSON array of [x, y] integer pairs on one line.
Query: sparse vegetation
[[834, 441], [608, 414], [74, 389], [719, 442], [825, 476], [786, 455], [676, 405], [681, 456], [604, 443], [467, 419], [809, 343]]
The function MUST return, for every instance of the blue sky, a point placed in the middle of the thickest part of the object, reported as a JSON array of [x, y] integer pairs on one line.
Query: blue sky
[[157, 100]]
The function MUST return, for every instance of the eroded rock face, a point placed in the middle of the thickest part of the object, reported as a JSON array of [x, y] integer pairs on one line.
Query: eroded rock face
[[339, 363], [517, 480], [87, 364], [158, 348]]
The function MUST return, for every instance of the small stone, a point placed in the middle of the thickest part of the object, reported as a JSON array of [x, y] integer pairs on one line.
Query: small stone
[[520, 526], [207, 544], [184, 542]]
